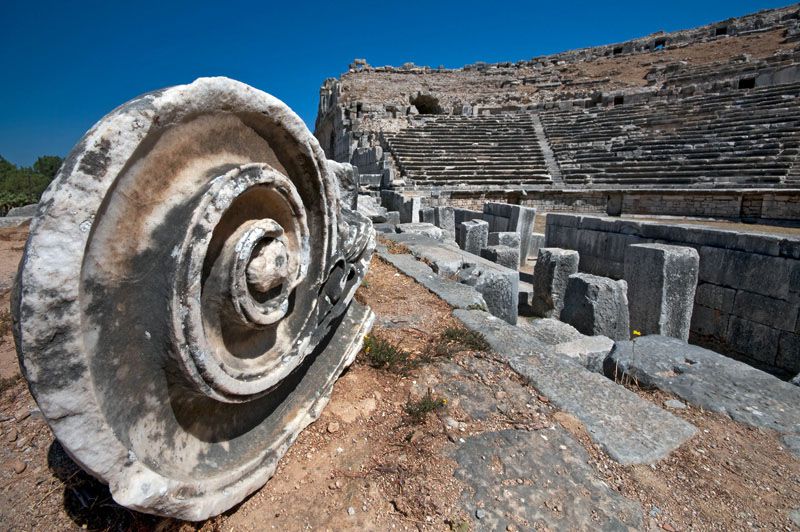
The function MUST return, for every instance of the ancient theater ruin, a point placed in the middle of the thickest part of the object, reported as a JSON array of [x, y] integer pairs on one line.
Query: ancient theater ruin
[[582, 312], [702, 123]]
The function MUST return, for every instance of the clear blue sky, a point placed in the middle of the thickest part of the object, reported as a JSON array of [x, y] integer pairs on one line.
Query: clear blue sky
[[67, 63]]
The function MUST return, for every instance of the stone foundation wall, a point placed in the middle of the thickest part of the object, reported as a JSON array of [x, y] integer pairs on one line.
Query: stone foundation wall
[[585, 201], [747, 302], [774, 207]]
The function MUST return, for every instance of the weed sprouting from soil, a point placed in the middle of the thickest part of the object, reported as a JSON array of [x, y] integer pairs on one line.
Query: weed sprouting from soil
[[5, 323], [417, 410], [382, 354], [472, 340]]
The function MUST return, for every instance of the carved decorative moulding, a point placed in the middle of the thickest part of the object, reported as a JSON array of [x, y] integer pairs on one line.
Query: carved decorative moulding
[[184, 303]]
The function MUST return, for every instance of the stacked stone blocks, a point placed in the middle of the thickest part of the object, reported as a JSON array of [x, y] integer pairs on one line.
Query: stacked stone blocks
[[747, 300]]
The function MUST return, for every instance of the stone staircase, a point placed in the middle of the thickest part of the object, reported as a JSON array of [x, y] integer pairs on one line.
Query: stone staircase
[[743, 138], [483, 150]]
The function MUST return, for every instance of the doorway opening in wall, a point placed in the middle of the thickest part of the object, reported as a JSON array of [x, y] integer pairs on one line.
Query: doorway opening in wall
[[426, 104], [619, 99], [747, 83], [618, 50], [659, 44], [721, 30]]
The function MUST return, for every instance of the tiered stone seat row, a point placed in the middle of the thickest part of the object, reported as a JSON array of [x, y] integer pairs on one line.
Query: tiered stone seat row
[[501, 149], [740, 138]]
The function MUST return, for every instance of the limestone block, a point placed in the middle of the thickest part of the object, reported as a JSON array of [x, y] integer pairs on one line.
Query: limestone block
[[426, 215], [521, 221], [385, 228], [502, 255], [517, 219], [553, 268], [661, 288], [425, 229], [537, 241], [178, 350], [752, 339], [505, 238], [24, 211], [369, 207], [708, 380], [392, 217], [472, 236], [597, 305], [444, 218], [409, 209], [499, 287]]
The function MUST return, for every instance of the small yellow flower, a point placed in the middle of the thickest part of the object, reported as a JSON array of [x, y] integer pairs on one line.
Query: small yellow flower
[[637, 333]]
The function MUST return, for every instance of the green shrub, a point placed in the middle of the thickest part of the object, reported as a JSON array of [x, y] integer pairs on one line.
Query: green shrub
[[382, 354], [417, 410], [472, 340]]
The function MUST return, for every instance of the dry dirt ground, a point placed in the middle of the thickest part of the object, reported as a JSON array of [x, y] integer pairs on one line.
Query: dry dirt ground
[[367, 465]]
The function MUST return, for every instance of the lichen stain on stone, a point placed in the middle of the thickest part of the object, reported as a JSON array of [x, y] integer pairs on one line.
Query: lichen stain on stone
[[95, 163]]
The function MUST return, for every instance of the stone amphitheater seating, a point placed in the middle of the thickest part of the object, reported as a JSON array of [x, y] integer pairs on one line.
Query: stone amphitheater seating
[[499, 149], [741, 138]]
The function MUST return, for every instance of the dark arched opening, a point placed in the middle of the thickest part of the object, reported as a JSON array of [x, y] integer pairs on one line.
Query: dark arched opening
[[426, 104]]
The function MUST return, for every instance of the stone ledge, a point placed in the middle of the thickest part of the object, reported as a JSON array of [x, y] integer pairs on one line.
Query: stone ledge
[[630, 429]]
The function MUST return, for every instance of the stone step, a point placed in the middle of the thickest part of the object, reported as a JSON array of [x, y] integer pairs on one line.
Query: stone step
[[456, 295], [541, 458], [630, 429], [711, 381], [481, 178], [497, 285]]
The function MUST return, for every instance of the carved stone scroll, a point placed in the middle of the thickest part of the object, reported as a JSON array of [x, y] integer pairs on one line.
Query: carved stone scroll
[[184, 303]]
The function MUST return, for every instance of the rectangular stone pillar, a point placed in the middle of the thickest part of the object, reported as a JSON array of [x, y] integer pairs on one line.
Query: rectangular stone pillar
[[661, 284], [505, 256], [553, 268], [472, 236], [444, 218], [409, 210], [426, 215], [504, 238], [521, 221], [597, 305], [537, 241]]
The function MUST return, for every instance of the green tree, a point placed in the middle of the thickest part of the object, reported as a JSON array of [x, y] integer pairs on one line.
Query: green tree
[[48, 165], [21, 185]]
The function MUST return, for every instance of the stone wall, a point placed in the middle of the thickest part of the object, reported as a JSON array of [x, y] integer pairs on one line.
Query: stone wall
[[774, 207], [747, 302]]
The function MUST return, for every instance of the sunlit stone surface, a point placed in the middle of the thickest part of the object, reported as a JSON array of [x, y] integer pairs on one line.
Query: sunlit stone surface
[[184, 304]]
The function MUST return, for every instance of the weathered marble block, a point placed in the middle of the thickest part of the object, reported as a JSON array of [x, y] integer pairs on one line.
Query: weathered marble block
[[553, 268], [426, 215], [444, 218], [472, 236], [503, 238], [597, 305], [184, 303], [392, 217], [409, 210], [503, 255], [661, 286], [537, 241], [424, 229], [506, 217]]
